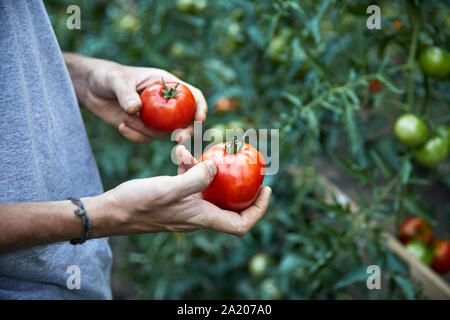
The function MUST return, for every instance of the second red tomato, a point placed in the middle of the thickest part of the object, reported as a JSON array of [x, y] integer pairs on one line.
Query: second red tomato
[[238, 177], [441, 260], [415, 228]]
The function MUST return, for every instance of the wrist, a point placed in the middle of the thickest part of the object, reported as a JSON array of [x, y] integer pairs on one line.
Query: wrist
[[106, 218]]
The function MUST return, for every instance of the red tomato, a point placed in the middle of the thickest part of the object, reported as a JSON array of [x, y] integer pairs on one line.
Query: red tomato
[[441, 260], [415, 228], [225, 104], [375, 86], [239, 176], [167, 106]]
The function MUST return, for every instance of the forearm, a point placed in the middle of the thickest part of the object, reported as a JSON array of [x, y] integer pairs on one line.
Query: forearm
[[80, 70], [30, 224]]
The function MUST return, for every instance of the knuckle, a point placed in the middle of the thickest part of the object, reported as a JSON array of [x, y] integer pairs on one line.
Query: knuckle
[[205, 176], [242, 231], [113, 75]]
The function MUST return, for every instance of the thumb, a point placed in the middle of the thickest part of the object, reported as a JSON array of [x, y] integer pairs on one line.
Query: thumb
[[194, 180], [125, 91]]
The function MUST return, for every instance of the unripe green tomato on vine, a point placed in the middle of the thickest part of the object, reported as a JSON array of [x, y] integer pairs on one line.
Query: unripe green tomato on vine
[[178, 50], [432, 152], [258, 264], [279, 46], [200, 5], [435, 62], [270, 288], [411, 130], [420, 251], [235, 32], [129, 23], [191, 6], [186, 6], [444, 133]]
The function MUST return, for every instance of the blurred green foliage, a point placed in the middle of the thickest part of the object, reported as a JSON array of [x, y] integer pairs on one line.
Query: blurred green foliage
[[302, 67]]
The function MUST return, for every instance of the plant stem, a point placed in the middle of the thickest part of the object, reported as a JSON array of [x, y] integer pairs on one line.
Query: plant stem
[[412, 53]]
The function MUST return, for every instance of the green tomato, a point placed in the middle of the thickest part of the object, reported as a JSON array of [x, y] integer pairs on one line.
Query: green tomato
[[279, 46], [186, 6], [258, 264], [432, 152], [235, 32], [178, 50], [271, 289], [420, 252], [411, 130], [435, 62], [200, 5], [129, 23], [444, 132]]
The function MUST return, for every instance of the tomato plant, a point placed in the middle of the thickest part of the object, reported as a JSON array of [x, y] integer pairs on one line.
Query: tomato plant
[[411, 130], [441, 260], [304, 68], [420, 251], [239, 175], [432, 152], [444, 133], [435, 62], [167, 106], [415, 228]]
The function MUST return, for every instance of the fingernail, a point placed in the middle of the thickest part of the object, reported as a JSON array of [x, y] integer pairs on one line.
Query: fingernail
[[270, 190], [122, 128], [211, 167]]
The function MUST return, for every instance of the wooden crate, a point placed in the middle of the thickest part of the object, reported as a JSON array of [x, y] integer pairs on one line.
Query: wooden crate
[[433, 285]]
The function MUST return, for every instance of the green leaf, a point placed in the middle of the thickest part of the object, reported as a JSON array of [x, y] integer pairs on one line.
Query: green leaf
[[357, 275], [291, 261], [406, 286], [380, 163]]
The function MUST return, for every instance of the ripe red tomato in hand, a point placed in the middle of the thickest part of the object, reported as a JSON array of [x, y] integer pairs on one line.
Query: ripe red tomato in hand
[[415, 228], [167, 106], [441, 260], [239, 175]]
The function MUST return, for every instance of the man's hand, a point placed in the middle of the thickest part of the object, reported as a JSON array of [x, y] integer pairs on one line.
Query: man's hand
[[176, 204], [137, 206], [111, 92]]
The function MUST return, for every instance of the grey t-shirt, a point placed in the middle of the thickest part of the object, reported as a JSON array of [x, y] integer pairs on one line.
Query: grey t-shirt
[[44, 156]]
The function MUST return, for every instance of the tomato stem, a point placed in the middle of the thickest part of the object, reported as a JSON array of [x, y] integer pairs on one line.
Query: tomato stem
[[234, 146], [169, 93]]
